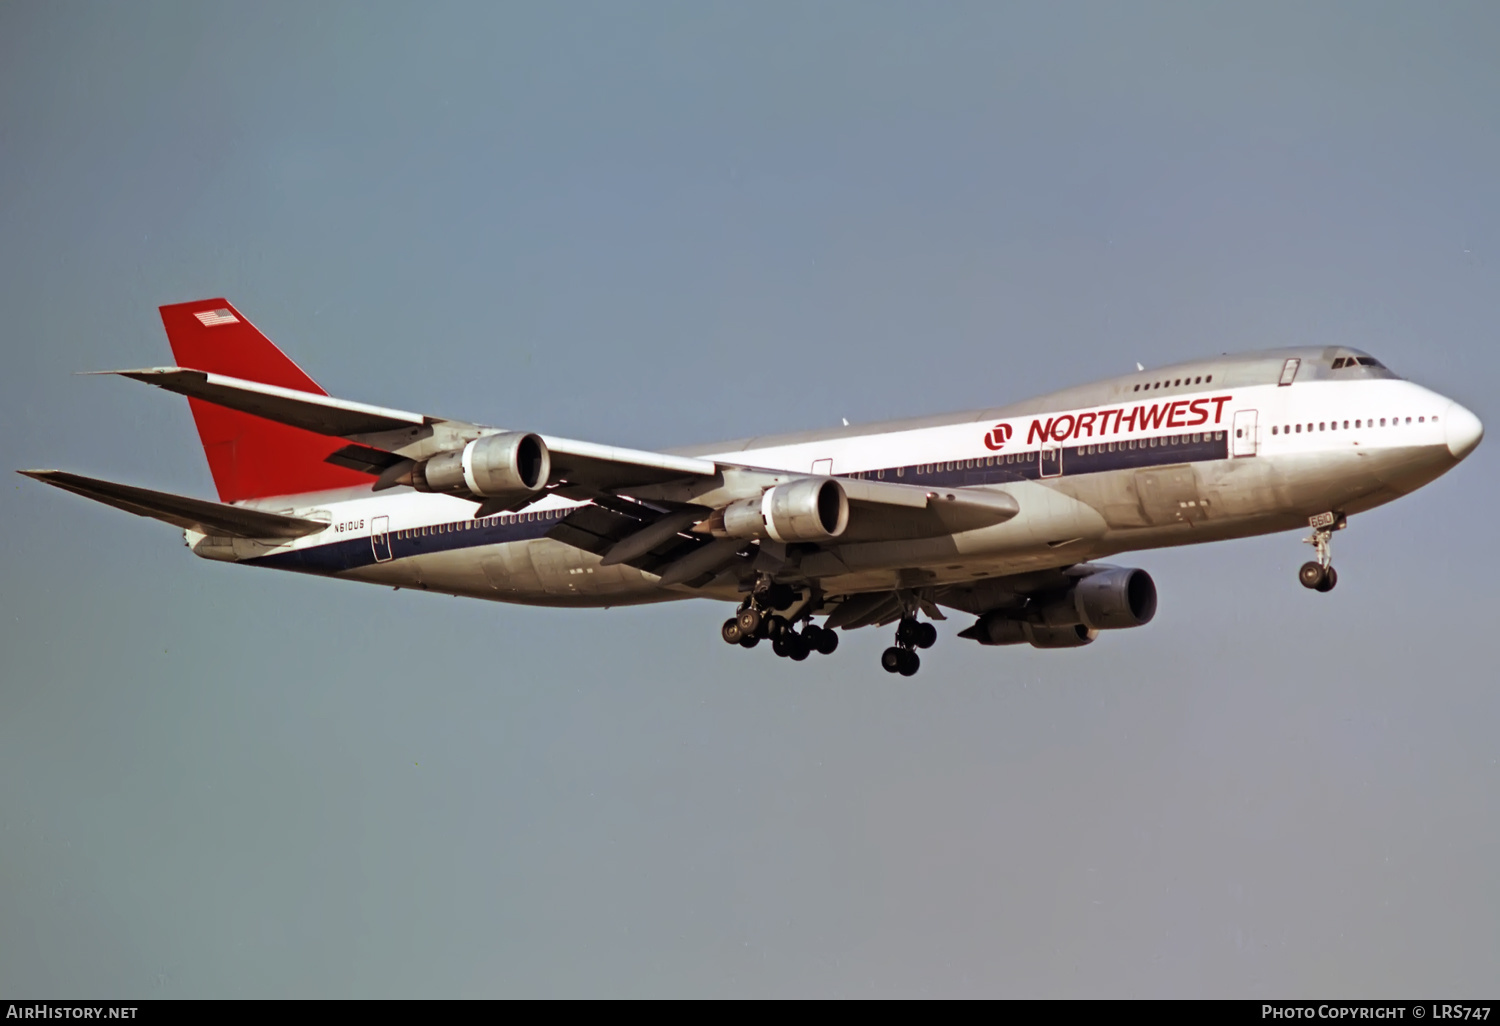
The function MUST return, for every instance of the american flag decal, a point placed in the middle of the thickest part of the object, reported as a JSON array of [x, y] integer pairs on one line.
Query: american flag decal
[[214, 318]]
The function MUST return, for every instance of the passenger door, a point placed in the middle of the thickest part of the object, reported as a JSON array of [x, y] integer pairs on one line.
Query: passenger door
[[1051, 459], [1244, 441], [380, 538]]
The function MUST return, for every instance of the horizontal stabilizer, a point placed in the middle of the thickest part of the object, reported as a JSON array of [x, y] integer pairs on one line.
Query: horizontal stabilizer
[[190, 514], [311, 412]]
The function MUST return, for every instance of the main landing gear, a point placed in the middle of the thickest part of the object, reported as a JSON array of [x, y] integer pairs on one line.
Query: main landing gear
[[751, 625], [761, 618], [1319, 574], [910, 635]]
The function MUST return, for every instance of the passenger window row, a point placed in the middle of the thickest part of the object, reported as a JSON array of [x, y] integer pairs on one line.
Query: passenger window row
[[919, 469], [1164, 383], [1152, 443], [469, 525], [1333, 425]]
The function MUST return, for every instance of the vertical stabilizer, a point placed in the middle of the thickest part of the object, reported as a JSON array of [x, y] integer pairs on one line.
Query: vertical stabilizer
[[250, 457]]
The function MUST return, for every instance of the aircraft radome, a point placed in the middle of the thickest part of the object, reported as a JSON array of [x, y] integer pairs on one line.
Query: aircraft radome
[[1000, 514]]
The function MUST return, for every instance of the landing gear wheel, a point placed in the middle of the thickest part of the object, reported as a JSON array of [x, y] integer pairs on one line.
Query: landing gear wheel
[[749, 641], [779, 645], [926, 635], [797, 647], [731, 631], [1320, 574], [749, 620], [891, 659], [826, 642], [776, 626], [907, 632], [910, 663]]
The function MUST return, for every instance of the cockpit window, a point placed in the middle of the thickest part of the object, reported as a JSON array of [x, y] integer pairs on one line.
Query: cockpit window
[[1356, 361], [1339, 363]]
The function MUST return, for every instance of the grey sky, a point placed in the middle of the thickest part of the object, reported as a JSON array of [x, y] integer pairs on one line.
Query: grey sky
[[660, 224]]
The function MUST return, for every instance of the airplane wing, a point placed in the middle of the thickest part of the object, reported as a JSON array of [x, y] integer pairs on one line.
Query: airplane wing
[[384, 438], [179, 510], [321, 413]]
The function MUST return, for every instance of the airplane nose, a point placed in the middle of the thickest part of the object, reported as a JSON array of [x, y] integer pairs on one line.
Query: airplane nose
[[1463, 432]]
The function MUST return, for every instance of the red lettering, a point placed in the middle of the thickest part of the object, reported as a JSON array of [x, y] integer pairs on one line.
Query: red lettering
[[1219, 401], [1129, 421], [1039, 432], [1152, 416], [1059, 433], [1198, 411], [1086, 423], [1176, 412]]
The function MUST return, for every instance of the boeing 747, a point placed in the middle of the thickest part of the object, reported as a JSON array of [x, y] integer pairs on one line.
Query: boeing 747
[[1001, 514]]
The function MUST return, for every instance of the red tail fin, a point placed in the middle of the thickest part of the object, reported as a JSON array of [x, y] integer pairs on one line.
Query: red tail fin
[[250, 457]]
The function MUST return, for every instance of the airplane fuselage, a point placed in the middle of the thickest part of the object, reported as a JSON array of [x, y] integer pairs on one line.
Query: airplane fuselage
[[1221, 448]]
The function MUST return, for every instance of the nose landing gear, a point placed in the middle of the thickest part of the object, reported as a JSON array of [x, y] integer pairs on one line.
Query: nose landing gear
[[1319, 574], [910, 635]]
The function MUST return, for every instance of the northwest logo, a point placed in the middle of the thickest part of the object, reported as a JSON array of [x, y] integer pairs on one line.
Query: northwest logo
[[998, 435]]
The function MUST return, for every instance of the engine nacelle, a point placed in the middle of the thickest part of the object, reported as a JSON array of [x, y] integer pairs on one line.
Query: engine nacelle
[[496, 466], [810, 510], [1107, 600], [1117, 598], [998, 629], [1060, 637]]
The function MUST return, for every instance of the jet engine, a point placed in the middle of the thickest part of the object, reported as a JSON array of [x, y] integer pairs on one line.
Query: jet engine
[[998, 629], [1109, 599], [813, 509], [509, 465], [1115, 598]]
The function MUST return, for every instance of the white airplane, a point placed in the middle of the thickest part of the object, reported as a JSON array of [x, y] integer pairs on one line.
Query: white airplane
[[998, 513]]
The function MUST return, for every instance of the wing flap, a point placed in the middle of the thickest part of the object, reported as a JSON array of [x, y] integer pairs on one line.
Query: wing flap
[[602, 525], [179, 510]]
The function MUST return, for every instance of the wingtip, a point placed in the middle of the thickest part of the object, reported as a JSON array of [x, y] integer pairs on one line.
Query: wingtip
[[133, 372], [44, 476]]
